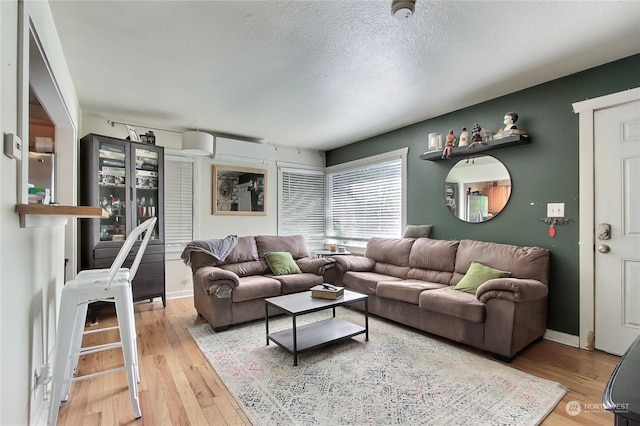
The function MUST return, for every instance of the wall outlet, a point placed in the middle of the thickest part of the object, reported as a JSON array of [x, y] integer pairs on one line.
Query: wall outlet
[[555, 209]]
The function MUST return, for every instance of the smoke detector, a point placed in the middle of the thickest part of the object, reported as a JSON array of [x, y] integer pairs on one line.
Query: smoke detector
[[402, 9]]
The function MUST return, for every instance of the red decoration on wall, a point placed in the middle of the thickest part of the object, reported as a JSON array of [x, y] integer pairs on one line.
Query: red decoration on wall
[[552, 232]]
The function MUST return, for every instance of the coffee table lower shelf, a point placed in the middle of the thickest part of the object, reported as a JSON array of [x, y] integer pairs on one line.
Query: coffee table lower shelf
[[316, 334]]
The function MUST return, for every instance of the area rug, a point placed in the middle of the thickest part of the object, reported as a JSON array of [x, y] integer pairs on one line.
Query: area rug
[[398, 377]]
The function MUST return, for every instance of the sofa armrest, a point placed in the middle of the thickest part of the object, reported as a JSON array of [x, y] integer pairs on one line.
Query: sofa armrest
[[513, 289], [315, 266], [216, 280], [354, 263]]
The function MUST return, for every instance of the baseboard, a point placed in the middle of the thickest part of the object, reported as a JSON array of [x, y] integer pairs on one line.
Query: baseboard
[[180, 294], [42, 417], [564, 338]]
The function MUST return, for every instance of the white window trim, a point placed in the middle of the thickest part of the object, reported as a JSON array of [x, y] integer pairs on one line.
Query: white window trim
[[173, 252], [391, 155], [292, 167]]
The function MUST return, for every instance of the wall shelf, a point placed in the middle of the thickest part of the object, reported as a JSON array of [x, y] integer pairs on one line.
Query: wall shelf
[[32, 215], [462, 151]]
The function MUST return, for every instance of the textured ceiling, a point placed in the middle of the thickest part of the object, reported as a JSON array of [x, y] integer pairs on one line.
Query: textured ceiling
[[322, 74]]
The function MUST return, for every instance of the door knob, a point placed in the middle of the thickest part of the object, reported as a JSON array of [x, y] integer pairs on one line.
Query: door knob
[[603, 248]]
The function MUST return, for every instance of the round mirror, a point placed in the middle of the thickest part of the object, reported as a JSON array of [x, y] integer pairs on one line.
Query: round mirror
[[477, 188]]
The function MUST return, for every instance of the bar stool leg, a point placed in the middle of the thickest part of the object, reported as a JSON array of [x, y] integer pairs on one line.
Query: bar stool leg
[[76, 344], [128, 301], [65, 336], [126, 322]]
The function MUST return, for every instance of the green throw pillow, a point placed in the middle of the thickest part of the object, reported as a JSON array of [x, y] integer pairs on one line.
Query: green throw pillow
[[282, 263], [478, 274], [417, 231]]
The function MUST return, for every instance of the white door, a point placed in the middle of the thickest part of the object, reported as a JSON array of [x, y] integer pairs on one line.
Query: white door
[[244, 197], [617, 202]]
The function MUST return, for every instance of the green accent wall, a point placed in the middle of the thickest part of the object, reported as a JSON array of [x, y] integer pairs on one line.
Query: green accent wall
[[544, 171]]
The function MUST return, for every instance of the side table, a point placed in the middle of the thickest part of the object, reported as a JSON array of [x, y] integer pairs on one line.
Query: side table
[[329, 253]]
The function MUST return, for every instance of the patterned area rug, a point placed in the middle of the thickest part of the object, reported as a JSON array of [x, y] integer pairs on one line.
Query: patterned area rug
[[398, 377]]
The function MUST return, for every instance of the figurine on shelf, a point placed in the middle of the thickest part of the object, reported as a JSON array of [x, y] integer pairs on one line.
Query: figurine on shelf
[[464, 137], [476, 136], [450, 142], [510, 119], [510, 128]]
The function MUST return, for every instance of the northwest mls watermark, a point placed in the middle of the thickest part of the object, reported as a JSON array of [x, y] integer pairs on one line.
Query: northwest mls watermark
[[574, 408]]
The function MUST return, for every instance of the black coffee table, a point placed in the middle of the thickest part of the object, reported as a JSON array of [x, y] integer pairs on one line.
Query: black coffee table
[[310, 336]]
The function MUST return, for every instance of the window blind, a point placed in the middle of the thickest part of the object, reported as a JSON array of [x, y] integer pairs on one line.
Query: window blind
[[301, 208], [365, 201], [178, 218]]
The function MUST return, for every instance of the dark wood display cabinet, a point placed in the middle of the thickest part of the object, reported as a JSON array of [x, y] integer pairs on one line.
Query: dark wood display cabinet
[[126, 179]]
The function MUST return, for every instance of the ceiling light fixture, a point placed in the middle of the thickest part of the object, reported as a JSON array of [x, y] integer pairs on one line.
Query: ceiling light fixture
[[402, 9], [197, 143]]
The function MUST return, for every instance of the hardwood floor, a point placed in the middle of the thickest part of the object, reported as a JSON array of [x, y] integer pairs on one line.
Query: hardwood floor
[[179, 387]]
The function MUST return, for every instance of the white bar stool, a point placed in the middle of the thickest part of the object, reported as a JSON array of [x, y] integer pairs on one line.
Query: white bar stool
[[113, 285]]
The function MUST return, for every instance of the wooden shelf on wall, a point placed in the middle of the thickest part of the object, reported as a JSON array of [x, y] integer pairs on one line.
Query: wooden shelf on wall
[[462, 151], [56, 210], [34, 215]]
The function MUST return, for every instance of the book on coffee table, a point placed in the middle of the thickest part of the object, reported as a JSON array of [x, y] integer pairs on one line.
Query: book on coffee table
[[327, 291]]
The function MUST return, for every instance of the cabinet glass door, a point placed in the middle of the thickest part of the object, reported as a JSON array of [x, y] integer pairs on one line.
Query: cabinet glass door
[[112, 191], [146, 186]]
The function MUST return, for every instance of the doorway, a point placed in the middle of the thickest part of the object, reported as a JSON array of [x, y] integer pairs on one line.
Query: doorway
[[43, 89], [588, 111]]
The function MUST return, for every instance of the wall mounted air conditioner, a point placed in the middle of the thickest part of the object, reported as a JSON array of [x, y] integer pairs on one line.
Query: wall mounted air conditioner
[[238, 150]]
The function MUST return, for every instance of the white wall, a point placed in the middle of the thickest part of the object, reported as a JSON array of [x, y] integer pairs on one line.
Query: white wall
[[178, 275], [31, 259]]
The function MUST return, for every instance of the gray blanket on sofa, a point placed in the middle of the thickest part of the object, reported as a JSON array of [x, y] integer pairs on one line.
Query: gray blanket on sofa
[[218, 248]]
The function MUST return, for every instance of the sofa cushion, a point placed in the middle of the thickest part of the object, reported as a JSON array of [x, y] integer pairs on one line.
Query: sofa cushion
[[437, 255], [365, 282], [390, 269], [244, 269], [429, 275], [522, 262], [449, 301], [295, 283], [417, 231], [294, 244], [255, 287], [478, 274], [245, 251], [394, 251], [405, 290], [282, 263]]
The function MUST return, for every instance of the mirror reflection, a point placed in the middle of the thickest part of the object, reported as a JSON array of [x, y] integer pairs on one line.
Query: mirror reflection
[[239, 191], [477, 188]]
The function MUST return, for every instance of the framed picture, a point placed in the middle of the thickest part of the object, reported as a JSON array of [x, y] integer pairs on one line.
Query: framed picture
[[239, 191], [133, 135]]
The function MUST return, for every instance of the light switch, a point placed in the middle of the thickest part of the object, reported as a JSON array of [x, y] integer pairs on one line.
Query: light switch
[[12, 146], [555, 209]]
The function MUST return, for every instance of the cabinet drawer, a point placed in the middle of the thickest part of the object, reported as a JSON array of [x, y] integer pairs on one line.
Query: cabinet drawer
[[148, 288], [150, 270], [106, 262], [112, 252]]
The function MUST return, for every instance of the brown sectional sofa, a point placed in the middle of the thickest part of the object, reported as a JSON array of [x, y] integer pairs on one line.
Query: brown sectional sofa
[[233, 291], [412, 281]]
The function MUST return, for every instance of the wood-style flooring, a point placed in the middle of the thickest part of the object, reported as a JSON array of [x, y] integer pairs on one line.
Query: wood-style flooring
[[179, 387]]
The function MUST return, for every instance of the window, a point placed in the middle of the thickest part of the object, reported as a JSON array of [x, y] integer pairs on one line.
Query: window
[[301, 204], [365, 199], [179, 202]]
